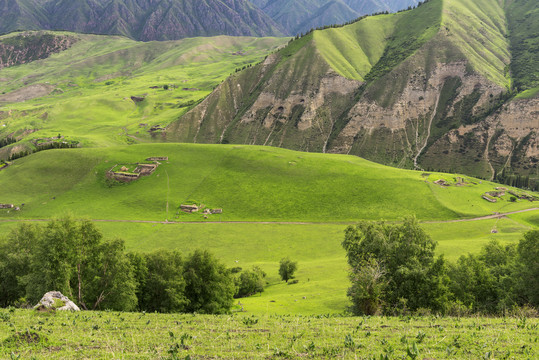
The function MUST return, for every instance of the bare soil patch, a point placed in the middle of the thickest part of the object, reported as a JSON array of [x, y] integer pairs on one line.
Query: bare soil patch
[[27, 93]]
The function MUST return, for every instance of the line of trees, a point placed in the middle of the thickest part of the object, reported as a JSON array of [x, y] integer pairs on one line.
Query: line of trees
[[72, 257], [394, 270]]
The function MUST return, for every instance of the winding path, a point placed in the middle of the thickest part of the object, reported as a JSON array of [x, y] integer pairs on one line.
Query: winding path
[[486, 217]]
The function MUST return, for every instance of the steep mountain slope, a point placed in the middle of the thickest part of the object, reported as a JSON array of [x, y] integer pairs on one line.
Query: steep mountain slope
[[523, 22], [427, 88], [139, 19], [299, 16]]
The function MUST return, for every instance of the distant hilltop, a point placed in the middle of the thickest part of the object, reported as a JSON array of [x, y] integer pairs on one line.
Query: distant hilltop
[[142, 19]]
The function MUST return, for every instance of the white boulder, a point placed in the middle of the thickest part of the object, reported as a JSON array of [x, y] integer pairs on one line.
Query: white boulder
[[57, 301]]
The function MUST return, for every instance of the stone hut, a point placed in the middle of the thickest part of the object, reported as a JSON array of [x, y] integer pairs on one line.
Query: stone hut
[[145, 169], [189, 208]]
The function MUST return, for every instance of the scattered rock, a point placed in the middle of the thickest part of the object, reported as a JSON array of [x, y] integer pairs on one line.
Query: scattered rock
[[188, 208], [441, 182], [55, 300], [137, 99]]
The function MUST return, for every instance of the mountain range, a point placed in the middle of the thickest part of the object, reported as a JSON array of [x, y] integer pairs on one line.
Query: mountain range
[[451, 85], [175, 19], [299, 16], [139, 19]]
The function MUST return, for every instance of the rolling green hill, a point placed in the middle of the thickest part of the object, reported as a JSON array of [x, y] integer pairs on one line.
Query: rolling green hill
[[84, 92], [248, 183]]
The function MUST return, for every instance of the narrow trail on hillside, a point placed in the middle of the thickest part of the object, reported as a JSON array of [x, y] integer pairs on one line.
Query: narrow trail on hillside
[[428, 132], [486, 217]]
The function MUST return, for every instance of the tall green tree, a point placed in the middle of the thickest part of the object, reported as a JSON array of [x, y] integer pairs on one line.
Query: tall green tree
[[110, 282], [368, 285], [163, 289], [71, 257], [527, 269], [209, 285], [15, 263], [250, 282], [287, 268], [405, 252]]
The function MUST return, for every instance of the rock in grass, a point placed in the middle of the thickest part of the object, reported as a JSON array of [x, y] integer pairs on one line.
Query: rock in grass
[[55, 300]]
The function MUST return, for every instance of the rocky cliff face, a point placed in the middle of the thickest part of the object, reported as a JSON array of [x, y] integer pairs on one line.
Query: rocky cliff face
[[25, 48], [440, 108]]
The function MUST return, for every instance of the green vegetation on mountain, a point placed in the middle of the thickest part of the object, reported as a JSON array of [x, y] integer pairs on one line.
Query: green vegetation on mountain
[[523, 24], [478, 29], [353, 50], [411, 31], [84, 92], [301, 16]]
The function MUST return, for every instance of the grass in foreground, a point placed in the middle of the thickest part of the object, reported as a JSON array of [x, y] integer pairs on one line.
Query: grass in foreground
[[108, 335]]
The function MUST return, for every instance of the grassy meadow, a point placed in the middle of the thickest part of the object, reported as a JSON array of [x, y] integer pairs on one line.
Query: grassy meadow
[[250, 183], [269, 211], [111, 335], [93, 81]]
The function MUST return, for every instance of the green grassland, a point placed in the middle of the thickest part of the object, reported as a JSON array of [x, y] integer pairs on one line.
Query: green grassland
[[269, 210], [352, 50], [111, 335], [249, 183], [95, 78], [322, 272]]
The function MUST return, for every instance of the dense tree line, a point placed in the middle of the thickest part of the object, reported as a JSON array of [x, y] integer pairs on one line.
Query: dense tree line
[[394, 270], [72, 257]]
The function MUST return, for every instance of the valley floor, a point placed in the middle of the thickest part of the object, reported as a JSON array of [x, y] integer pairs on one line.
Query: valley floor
[[111, 335]]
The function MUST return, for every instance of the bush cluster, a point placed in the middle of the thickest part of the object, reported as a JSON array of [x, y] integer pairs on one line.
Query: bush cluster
[[394, 271], [72, 257]]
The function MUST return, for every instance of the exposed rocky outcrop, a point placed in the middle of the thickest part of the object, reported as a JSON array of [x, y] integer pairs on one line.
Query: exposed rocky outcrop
[[55, 300], [28, 47]]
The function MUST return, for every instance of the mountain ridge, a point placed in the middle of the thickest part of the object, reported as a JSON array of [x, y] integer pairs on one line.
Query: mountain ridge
[[144, 20], [300, 16], [433, 91]]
